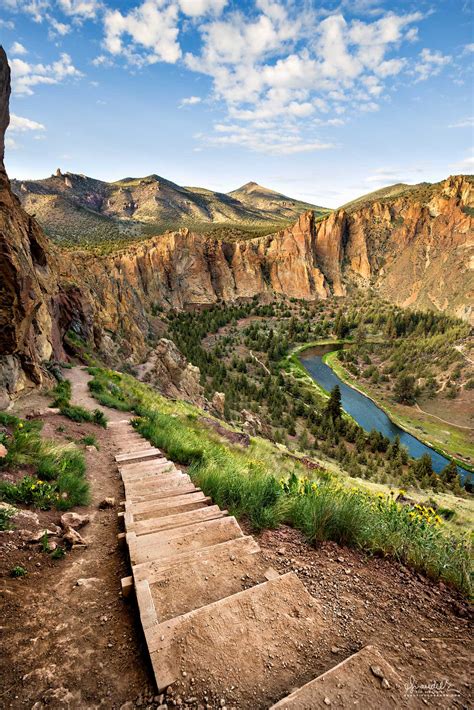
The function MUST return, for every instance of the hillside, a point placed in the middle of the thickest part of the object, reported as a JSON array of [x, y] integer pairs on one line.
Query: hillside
[[76, 209]]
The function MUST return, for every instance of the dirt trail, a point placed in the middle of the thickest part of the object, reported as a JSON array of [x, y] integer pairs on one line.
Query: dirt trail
[[64, 644]]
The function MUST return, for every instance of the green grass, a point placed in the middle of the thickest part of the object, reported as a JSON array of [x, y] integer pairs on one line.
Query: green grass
[[259, 484], [18, 571], [58, 478], [62, 399]]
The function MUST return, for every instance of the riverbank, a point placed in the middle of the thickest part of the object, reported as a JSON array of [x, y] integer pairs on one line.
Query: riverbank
[[450, 440]]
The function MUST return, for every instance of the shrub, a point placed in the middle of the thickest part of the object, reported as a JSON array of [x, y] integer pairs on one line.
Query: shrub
[[58, 553], [18, 571], [62, 394], [6, 514]]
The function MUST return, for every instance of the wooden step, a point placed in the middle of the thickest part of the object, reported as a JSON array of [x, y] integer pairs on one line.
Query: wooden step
[[169, 506], [150, 476], [144, 466], [254, 640], [157, 483], [167, 543], [162, 493], [138, 456], [230, 549], [145, 527], [213, 576], [352, 683]]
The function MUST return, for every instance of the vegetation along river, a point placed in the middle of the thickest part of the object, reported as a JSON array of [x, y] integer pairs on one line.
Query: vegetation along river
[[365, 412]]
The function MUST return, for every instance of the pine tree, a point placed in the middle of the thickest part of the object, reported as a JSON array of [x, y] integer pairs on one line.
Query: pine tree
[[333, 409]]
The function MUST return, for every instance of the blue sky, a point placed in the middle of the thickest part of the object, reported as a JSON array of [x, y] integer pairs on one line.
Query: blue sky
[[320, 100]]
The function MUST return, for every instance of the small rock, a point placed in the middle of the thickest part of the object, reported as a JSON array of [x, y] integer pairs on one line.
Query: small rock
[[327, 701], [72, 537], [127, 706], [74, 520], [91, 448], [3, 451], [87, 582], [377, 671], [335, 649], [385, 684], [107, 503], [37, 536]]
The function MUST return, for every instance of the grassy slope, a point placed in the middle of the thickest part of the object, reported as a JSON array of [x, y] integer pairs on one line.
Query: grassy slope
[[268, 486]]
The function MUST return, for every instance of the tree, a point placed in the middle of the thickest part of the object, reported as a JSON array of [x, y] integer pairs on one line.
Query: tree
[[449, 473], [333, 409], [360, 335], [404, 389]]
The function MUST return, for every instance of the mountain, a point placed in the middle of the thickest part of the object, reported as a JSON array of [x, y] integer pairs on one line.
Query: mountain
[[76, 209], [413, 246]]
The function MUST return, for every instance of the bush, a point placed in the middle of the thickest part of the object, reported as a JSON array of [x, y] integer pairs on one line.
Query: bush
[[18, 571], [62, 394], [6, 514]]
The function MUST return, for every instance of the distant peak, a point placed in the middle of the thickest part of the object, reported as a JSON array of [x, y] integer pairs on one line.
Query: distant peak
[[252, 187]]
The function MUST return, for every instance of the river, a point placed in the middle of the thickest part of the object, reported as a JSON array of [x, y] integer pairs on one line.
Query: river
[[365, 412]]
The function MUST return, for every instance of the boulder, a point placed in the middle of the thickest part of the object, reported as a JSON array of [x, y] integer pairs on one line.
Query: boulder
[[168, 370], [3, 451], [218, 403]]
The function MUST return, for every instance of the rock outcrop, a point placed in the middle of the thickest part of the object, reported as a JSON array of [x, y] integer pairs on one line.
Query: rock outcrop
[[35, 308], [170, 373]]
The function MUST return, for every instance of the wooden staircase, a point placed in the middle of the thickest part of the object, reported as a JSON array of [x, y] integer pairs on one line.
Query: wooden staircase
[[213, 613]]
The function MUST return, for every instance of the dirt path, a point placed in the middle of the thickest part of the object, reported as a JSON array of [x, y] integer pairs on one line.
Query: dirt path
[[68, 643], [428, 414]]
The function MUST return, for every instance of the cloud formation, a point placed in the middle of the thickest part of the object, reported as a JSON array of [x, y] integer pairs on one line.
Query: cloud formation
[[26, 76]]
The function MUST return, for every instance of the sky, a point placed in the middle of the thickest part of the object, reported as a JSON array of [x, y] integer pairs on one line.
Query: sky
[[323, 100]]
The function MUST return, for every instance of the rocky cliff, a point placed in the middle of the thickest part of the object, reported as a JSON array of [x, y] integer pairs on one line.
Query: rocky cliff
[[35, 309]]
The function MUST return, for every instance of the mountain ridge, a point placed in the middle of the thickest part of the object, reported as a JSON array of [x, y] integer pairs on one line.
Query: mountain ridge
[[72, 207]]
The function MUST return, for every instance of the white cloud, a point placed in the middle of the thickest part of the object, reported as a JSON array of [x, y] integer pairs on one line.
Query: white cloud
[[465, 123], [430, 64], [7, 24], [20, 124], [196, 8], [281, 62], [18, 49], [264, 137], [468, 48], [37, 9], [190, 101], [25, 76], [86, 9], [57, 28], [152, 28]]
